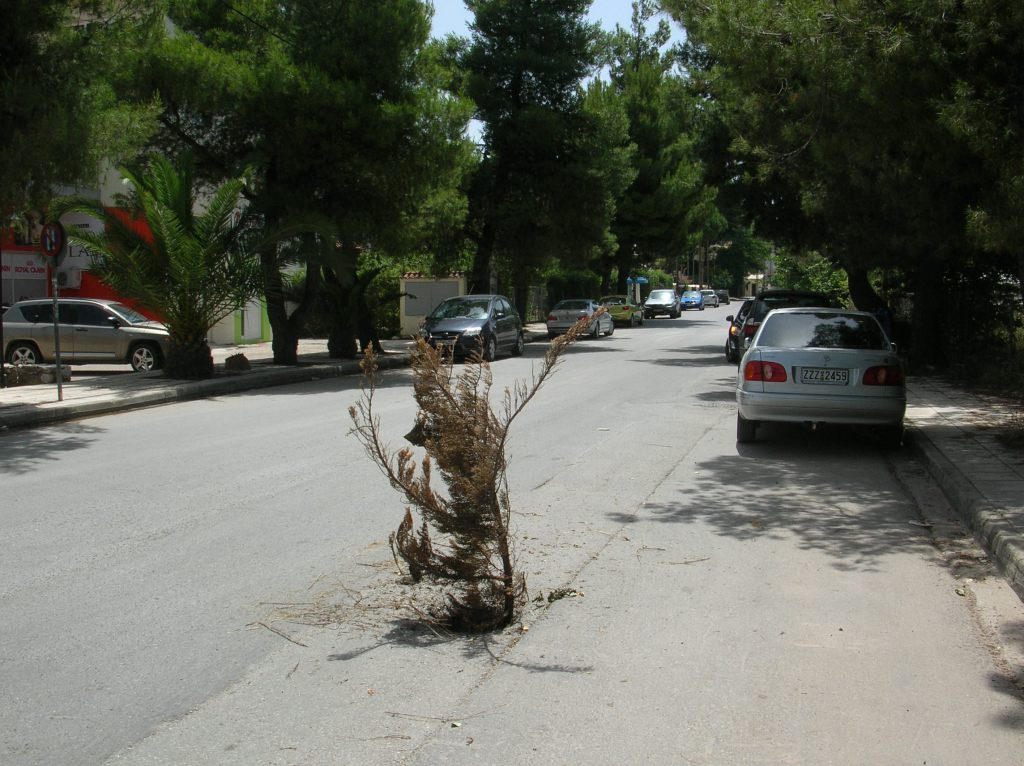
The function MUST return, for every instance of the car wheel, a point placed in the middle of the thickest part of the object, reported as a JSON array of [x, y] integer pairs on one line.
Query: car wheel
[[730, 356], [519, 346], [611, 329], [746, 430], [24, 353], [490, 349], [702, 307], [632, 321], [596, 331], [145, 357], [891, 436]]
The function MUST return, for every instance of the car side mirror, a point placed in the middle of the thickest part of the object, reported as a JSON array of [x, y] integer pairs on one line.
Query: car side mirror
[[892, 347], [746, 342], [114, 322], [500, 315], [729, 318]]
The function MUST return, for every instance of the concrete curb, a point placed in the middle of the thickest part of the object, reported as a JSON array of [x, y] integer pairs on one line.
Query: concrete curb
[[176, 391], [988, 522]]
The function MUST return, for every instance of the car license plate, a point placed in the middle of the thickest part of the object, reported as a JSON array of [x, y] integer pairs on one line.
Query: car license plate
[[824, 375]]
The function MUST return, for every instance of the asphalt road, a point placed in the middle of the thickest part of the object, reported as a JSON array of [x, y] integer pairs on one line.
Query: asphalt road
[[210, 582]]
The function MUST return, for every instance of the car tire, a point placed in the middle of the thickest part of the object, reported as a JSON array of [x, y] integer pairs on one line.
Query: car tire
[[490, 351], [632, 320], [611, 329], [24, 353], [730, 355], [519, 346], [746, 430], [145, 357], [596, 331], [702, 307]]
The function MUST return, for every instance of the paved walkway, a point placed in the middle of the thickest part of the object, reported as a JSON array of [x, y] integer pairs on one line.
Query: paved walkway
[[954, 431]]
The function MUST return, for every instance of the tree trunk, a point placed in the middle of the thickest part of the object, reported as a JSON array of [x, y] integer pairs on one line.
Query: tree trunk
[[284, 326], [861, 291], [189, 358], [927, 330]]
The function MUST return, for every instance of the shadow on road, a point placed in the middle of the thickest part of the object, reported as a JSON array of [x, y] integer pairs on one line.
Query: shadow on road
[[24, 451], [787, 484]]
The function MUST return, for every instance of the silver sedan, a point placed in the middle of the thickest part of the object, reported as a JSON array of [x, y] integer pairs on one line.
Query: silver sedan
[[566, 313], [815, 365]]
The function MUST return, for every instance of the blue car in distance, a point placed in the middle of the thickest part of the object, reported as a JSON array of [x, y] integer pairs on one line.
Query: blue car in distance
[[692, 299]]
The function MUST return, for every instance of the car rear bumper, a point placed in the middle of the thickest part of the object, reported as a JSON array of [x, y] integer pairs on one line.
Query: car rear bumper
[[796, 408]]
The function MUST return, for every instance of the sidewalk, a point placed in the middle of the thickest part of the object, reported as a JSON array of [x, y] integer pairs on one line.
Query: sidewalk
[[954, 431]]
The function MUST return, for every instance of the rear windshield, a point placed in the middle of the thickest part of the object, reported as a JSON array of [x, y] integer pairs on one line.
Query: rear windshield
[[572, 305], [613, 300], [822, 331], [763, 305]]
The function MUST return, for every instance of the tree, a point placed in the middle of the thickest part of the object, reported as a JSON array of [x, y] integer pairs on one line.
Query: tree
[[337, 107], [651, 221], [192, 268], [524, 66], [836, 114]]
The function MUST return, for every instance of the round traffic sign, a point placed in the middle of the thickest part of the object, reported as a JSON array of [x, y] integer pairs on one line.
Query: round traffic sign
[[53, 239]]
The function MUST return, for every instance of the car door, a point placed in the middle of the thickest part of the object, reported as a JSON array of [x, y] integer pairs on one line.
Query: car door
[[42, 334], [96, 338], [505, 322]]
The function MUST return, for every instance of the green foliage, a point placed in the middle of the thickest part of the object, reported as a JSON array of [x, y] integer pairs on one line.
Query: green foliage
[[192, 268], [58, 114], [657, 213], [541, 191], [811, 271], [341, 111]]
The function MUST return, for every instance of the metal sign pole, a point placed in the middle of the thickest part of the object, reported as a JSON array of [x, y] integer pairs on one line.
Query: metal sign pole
[[56, 336], [54, 242]]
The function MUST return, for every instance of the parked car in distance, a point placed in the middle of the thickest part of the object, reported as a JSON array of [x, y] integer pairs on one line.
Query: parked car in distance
[[723, 297], [734, 340], [622, 309], [777, 298], [819, 365], [693, 299], [710, 298], [487, 324], [566, 313], [91, 331], [662, 301]]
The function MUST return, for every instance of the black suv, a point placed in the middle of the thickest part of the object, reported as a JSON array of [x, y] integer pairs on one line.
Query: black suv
[[766, 300]]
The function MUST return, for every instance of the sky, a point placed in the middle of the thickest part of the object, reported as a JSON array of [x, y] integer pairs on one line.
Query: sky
[[452, 16]]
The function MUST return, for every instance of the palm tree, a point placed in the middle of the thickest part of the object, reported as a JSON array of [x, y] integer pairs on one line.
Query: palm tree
[[176, 254]]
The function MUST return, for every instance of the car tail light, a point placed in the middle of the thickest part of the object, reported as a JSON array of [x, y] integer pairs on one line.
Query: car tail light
[[750, 328], [769, 372], [884, 375], [552, 318]]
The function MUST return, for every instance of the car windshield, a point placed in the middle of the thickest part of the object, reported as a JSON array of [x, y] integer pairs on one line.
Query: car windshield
[[707, 292], [572, 305], [131, 315], [474, 308], [691, 294], [824, 330], [661, 295], [613, 300]]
